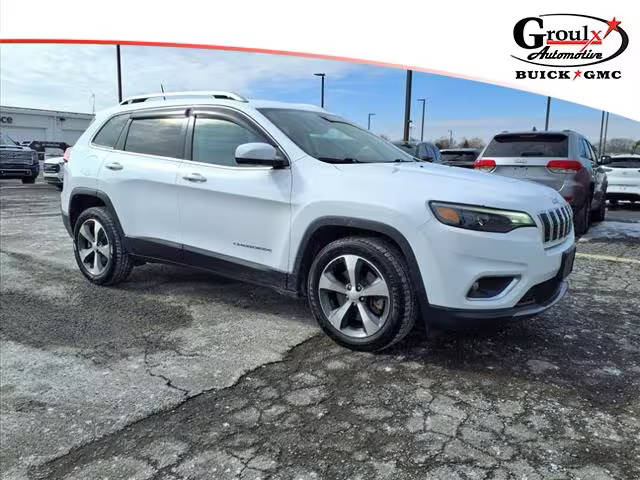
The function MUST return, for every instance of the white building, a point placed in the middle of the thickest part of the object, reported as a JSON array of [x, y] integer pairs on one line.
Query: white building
[[28, 124]]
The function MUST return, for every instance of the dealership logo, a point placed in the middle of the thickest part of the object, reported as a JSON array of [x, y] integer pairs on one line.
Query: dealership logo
[[564, 40]]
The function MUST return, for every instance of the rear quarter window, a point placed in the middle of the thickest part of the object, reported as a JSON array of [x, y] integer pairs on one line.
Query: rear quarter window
[[528, 145], [110, 131]]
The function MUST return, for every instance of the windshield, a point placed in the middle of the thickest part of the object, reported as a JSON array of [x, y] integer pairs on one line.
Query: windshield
[[528, 145], [333, 139], [625, 162], [410, 148], [6, 139]]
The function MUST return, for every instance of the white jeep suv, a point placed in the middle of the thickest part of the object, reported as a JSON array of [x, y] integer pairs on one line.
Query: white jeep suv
[[301, 200]]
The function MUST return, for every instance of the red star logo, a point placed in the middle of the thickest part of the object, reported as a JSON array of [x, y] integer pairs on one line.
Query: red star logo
[[613, 25], [578, 73]]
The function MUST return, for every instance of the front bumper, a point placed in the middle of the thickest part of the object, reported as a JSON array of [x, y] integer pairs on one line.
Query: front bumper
[[19, 171], [451, 260]]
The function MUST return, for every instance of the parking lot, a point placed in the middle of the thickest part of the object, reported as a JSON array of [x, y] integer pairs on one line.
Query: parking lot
[[180, 374]]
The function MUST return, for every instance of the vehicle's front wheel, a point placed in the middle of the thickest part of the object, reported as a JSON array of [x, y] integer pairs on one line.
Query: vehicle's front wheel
[[360, 293], [583, 217], [99, 248], [28, 179]]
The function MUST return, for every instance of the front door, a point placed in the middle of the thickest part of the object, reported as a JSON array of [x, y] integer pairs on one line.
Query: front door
[[232, 216]]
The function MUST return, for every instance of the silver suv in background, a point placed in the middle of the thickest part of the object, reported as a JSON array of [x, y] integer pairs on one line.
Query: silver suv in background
[[563, 160], [460, 157]]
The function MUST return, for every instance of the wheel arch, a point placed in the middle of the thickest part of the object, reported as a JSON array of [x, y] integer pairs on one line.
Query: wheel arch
[[83, 198], [324, 230]]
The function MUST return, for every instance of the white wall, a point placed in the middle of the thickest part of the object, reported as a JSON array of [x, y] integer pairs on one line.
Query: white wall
[[30, 124]]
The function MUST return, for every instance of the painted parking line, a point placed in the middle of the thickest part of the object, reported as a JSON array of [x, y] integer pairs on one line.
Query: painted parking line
[[607, 258]]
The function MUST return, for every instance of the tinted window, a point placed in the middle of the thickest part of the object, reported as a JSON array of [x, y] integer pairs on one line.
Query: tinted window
[[215, 140], [109, 133], [625, 162], [528, 145], [459, 156], [584, 149], [156, 136]]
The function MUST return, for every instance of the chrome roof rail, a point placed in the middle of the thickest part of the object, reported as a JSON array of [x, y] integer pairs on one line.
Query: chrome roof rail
[[170, 95]]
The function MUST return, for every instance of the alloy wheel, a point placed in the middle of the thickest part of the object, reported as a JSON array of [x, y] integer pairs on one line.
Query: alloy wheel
[[94, 249], [354, 296]]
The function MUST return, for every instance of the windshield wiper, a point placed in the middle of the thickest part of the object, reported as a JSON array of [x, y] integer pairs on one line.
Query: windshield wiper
[[338, 160]]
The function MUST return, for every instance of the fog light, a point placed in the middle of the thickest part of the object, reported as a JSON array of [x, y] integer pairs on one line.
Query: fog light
[[487, 287]]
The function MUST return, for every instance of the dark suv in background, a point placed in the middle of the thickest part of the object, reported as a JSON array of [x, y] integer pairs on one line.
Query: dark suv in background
[[17, 161], [460, 157], [563, 160]]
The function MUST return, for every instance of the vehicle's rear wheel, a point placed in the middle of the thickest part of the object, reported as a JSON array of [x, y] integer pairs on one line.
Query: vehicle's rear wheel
[[99, 248], [601, 212], [28, 179], [360, 293], [583, 218]]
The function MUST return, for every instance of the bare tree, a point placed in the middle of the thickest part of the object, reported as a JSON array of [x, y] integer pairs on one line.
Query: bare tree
[[443, 142], [620, 145]]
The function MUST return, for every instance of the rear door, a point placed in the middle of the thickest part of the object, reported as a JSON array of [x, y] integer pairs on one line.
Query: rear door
[[525, 156], [139, 176]]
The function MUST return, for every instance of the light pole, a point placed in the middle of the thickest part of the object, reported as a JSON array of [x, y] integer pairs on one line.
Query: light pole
[[93, 100], [424, 103], [546, 121], [606, 131], [119, 74], [407, 106], [321, 75], [369, 121], [451, 139], [601, 132]]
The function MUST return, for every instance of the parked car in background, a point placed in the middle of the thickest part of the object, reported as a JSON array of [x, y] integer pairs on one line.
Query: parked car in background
[[53, 171], [623, 173], [459, 157], [17, 161], [425, 151], [563, 160], [296, 198]]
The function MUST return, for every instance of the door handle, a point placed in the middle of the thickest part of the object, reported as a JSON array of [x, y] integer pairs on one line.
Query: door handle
[[195, 177], [113, 166]]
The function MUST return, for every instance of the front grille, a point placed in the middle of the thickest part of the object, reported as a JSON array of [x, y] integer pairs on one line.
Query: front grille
[[52, 168], [24, 157], [557, 223]]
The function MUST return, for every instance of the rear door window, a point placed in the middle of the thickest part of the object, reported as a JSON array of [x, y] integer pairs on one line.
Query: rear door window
[[110, 131], [528, 145], [156, 136]]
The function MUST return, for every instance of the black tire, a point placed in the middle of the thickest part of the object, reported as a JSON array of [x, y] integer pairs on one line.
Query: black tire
[[390, 263], [29, 180], [599, 214], [582, 218], [120, 264]]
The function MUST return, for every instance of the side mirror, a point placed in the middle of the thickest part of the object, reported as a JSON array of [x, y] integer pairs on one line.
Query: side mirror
[[260, 154], [604, 160], [426, 158]]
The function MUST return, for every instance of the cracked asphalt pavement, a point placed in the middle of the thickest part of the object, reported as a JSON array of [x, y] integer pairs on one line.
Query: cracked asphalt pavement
[[177, 374]]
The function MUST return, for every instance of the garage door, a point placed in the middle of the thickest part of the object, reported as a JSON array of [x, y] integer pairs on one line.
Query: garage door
[[24, 134], [70, 136]]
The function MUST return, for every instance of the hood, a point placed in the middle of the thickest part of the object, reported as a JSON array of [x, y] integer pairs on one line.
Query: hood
[[453, 184]]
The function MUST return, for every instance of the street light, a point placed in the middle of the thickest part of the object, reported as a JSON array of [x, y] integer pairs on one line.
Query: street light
[[369, 121], [424, 103], [546, 121], [321, 75], [451, 139], [407, 105]]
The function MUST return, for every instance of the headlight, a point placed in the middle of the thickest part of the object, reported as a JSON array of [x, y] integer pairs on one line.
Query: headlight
[[480, 218]]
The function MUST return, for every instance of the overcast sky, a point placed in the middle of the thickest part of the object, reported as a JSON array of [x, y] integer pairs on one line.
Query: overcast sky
[[64, 77]]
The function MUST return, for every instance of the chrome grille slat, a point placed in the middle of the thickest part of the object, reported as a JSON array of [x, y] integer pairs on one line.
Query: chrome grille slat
[[557, 223]]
